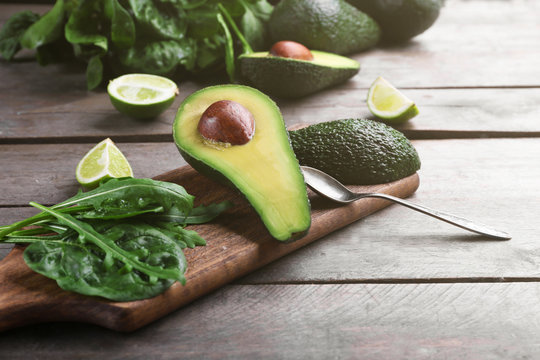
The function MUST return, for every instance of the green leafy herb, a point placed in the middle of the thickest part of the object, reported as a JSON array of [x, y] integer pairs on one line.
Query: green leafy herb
[[12, 32], [47, 29], [123, 240], [160, 37]]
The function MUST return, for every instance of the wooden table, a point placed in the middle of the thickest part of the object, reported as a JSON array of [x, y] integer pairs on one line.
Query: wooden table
[[394, 285]]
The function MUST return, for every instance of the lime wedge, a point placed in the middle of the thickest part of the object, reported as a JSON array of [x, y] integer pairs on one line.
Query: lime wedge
[[388, 103], [103, 161], [142, 95]]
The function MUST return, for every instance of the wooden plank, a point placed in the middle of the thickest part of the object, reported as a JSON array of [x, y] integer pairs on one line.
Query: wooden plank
[[238, 243], [37, 109], [352, 321], [492, 181], [444, 113], [46, 173], [473, 43]]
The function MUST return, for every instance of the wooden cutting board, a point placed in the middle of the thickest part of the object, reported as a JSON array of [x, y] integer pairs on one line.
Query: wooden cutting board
[[237, 244]]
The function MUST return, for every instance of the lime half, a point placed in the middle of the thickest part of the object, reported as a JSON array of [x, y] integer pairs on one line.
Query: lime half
[[388, 103], [142, 95], [103, 161]]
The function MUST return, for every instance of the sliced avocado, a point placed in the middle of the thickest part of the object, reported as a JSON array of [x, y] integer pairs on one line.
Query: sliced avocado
[[328, 25], [287, 77], [356, 151], [401, 20], [264, 168]]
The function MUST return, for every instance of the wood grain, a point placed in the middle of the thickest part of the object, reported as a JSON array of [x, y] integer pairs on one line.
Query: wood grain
[[238, 243], [37, 109], [494, 181], [348, 321]]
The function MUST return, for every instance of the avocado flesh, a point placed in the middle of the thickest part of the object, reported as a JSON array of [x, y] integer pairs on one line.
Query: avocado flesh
[[356, 151], [265, 170], [334, 26], [291, 78], [401, 20]]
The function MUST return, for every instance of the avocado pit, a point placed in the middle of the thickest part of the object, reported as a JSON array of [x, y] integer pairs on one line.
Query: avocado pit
[[291, 49], [228, 122]]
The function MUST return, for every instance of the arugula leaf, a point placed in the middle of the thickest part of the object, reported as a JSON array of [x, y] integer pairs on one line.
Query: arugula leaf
[[107, 242], [13, 30], [47, 29], [229, 49], [112, 241], [118, 198]]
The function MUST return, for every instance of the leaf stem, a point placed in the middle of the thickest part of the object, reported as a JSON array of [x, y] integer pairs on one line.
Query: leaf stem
[[228, 17]]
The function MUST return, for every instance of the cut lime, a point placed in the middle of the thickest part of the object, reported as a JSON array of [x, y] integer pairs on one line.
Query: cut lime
[[142, 95], [104, 161], [388, 103]]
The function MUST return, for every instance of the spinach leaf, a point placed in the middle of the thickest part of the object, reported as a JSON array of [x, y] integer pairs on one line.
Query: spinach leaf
[[199, 215], [86, 24], [13, 30], [84, 269], [159, 57], [110, 243], [94, 72], [47, 29], [253, 22], [160, 19], [122, 25]]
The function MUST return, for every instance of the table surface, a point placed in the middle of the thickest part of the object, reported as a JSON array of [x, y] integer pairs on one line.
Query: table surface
[[394, 285]]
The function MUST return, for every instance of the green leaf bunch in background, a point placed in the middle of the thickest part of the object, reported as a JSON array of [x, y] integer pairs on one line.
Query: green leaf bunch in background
[[161, 37]]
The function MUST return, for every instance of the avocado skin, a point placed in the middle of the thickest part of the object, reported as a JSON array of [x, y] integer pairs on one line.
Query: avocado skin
[[356, 151], [401, 20], [327, 25], [290, 78]]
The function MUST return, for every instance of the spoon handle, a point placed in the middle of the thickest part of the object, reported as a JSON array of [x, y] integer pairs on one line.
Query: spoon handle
[[449, 218]]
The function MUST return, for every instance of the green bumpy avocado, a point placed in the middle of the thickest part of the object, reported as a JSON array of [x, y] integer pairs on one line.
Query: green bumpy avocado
[[401, 20], [265, 169], [291, 78], [356, 151], [328, 25]]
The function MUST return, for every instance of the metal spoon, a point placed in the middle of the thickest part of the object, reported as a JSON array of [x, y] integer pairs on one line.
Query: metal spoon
[[332, 189]]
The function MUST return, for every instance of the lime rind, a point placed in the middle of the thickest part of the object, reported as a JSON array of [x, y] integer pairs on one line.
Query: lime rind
[[142, 95], [389, 104], [103, 161]]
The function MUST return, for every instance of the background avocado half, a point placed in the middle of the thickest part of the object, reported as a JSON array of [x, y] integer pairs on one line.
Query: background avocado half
[[290, 78], [334, 26], [401, 20]]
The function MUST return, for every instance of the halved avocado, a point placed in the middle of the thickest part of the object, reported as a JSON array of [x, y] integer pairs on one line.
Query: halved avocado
[[290, 78], [264, 169]]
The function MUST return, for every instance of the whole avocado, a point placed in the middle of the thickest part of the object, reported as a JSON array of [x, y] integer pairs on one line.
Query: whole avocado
[[401, 20], [356, 151], [327, 25]]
